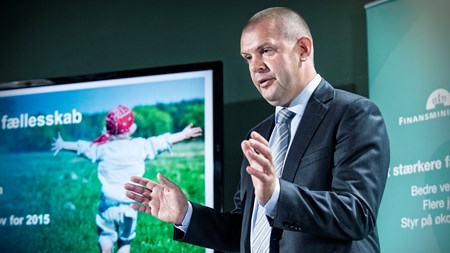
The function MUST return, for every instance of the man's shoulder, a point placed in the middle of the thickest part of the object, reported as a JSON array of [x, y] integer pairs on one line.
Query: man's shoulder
[[340, 100], [348, 97], [326, 92]]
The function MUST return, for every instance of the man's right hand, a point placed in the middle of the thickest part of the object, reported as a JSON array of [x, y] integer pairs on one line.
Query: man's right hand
[[163, 200]]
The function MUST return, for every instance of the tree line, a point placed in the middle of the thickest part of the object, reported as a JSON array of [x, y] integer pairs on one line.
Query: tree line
[[151, 120]]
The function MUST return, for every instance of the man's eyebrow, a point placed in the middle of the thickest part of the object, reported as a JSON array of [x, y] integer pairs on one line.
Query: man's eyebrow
[[258, 48], [265, 44]]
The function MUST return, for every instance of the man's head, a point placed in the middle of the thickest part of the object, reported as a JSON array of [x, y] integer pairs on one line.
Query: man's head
[[277, 45]]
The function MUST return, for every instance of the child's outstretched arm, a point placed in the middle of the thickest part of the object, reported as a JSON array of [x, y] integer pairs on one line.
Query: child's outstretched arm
[[188, 132], [59, 143]]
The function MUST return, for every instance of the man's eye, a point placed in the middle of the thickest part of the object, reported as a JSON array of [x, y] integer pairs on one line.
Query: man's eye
[[267, 51]]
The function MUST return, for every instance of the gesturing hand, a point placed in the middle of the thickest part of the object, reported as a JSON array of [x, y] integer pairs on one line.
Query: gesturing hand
[[262, 170], [164, 201]]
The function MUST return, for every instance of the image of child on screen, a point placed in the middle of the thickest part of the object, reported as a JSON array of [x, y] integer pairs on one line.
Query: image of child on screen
[[120, 156]]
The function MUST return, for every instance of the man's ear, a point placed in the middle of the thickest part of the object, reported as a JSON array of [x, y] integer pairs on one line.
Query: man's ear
[[305, 47]]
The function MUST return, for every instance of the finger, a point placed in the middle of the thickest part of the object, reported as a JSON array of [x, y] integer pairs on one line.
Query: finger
[[258, 160], [135, 206], [246, 148], [139, 180], [259, 138], [137, 197], [139, 189], [250, 154], [197, 134], [150, 184], [257, 173], [261, 148], [134, 196], [56, 149], [165, 181], [245, 145], [146, 209]]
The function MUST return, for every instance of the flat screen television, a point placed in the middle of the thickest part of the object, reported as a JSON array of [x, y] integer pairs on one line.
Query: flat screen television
[[49, 202]]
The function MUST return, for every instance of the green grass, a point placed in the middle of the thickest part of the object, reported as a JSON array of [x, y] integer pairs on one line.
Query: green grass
[[67, 188]]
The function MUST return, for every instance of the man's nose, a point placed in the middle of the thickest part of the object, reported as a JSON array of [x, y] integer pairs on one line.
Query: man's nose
[[257, 66]]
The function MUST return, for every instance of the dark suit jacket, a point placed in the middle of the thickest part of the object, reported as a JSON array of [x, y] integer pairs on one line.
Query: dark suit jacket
[[330, 189]]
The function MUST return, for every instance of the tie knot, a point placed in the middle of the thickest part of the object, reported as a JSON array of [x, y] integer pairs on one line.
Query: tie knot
[[285, 115]]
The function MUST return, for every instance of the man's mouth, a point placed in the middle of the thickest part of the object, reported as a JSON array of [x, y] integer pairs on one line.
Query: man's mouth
[[265, 82]]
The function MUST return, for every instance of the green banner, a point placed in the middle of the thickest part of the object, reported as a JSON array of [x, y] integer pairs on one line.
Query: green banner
[[409, 78]]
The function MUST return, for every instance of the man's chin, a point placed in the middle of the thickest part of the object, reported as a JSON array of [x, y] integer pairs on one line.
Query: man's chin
[[272, 101], [275, 102]]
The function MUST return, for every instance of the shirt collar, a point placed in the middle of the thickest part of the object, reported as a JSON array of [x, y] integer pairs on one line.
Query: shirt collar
[[298, 105]]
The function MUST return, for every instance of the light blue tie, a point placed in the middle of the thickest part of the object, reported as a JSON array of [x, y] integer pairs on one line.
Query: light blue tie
[[283, 134], [261, 232]]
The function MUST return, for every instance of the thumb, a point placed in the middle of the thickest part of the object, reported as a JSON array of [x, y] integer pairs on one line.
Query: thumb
[[164, 180]]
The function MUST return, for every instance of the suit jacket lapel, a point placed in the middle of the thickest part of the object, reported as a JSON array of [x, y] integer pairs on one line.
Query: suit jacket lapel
[[315, 111], [265, 129]]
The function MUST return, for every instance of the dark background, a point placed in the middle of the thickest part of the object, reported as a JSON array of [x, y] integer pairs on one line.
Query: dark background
[[48, 38]]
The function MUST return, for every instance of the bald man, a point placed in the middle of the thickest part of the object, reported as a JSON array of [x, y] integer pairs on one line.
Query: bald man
[[323, 194]]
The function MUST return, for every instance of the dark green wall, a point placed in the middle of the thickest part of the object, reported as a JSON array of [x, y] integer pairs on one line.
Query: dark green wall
[[46, 38]]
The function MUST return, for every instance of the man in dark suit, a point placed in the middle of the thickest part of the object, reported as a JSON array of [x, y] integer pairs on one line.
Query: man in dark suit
[[326, 196]]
